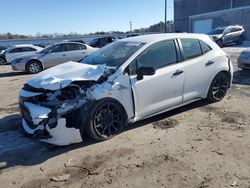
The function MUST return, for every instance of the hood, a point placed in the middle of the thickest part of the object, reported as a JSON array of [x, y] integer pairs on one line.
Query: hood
[[62, 75]]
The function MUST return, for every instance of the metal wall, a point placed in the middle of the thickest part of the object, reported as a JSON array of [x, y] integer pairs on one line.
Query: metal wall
[[224, 18], [183, 9]]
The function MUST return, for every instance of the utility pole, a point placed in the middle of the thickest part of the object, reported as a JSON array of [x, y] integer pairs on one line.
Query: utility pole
[[166, 16], [130, 23]]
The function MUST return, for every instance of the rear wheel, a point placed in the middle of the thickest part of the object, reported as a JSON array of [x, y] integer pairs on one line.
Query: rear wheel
[[2, 61], [240, 40], [107, 118], [34, 67], [218, 87]]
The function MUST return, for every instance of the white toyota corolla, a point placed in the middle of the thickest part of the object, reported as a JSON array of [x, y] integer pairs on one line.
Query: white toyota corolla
[[126, 81]]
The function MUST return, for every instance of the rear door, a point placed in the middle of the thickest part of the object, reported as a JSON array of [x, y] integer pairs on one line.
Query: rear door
[[162, 90], [12, 54], [76, 52], [197, 65], [28, 50], [56, 55]]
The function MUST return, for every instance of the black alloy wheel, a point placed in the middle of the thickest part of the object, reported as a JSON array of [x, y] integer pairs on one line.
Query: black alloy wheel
[[219, 87]]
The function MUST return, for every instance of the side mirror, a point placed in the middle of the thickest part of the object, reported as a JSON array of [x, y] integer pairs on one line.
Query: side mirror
[[145, 71]]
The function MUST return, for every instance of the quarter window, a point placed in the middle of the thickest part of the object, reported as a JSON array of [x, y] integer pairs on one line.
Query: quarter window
[[191, 48], [205, 48]]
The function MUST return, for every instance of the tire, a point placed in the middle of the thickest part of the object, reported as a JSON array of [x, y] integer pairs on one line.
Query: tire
[[240, 40], [218, 87], [34, 67], [3, 61], [106, 119], [220, 43]]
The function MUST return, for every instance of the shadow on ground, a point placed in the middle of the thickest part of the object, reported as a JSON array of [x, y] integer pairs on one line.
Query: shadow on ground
[[40, 152], [12, 74]]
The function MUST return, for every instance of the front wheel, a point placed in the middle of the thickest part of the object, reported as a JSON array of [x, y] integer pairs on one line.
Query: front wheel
[[34, 67], [218, 87], [2, 61], [107, 118]]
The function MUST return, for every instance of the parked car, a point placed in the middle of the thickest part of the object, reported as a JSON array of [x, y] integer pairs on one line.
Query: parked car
[[13, 52], [230, 34], [126, 81], [75, 40], [244, 59], [100, 42], [51, 56], [2, 48]]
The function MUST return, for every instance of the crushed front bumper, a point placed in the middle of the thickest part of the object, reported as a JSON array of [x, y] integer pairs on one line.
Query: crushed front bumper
[[36, 121]]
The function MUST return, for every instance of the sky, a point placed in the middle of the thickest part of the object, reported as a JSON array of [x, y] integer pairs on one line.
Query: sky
[[82, 16]]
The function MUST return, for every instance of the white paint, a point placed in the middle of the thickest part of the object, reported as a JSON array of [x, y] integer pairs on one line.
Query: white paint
[[38, 113], [62, 136], [62, 75], [24, 93]]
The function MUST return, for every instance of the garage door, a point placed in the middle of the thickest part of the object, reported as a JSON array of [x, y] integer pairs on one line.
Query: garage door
[[202, 26]]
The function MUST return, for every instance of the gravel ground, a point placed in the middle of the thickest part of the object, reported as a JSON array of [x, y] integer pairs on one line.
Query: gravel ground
[[199, 145]]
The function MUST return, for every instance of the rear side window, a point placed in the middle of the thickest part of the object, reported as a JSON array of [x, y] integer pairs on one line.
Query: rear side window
[[16, 50], [191, 48], [75, 47], [28, 49], [205, 48]]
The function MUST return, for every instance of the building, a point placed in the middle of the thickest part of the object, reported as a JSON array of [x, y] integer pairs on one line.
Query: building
[[201, 16]]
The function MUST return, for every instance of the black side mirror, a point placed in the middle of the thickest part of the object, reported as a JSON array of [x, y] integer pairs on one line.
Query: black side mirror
[[145, 71]]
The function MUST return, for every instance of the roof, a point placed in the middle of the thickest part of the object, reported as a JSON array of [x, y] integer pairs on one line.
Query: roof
[[159, 37], [24, 45]]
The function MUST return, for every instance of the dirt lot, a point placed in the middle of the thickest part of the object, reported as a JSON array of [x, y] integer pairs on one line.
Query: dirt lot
[[200, 145]]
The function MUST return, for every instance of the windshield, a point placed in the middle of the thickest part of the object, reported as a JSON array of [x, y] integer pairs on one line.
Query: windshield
[[113, 55], [93, 41], [216, 31], [45, 49]]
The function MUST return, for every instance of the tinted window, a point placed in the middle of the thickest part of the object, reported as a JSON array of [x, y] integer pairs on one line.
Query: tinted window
[[75, 47], [28, 49], [157, 56], [16, 50], [58, 48], [205, 48], [191, 48]]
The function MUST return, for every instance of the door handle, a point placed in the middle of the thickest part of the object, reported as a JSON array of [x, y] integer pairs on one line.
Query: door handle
[[178, 72], [209, 63], [63, 55]]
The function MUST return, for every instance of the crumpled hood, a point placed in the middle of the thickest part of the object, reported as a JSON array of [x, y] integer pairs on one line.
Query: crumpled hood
[[62, 75]]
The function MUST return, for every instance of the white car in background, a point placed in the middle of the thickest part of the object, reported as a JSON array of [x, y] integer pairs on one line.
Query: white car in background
[[125, 81], [8, 55], [53, 55]]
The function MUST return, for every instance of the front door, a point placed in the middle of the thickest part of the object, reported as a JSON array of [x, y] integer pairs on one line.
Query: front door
[[162, 90], [56, 55]]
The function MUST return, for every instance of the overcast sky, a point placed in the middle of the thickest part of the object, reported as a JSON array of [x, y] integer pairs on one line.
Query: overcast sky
[[81, 16]]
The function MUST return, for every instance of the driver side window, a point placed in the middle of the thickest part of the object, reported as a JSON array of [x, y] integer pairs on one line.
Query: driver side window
[[58, 48], [157, 56]]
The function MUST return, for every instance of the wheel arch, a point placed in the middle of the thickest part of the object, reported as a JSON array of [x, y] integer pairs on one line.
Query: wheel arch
[[33, 60], [227, 72]]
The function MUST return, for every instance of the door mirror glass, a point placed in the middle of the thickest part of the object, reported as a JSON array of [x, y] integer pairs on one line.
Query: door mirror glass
[[145, 71]]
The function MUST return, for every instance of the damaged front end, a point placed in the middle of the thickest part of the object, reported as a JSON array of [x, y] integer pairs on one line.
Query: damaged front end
[[50, 114], [51, 109]]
